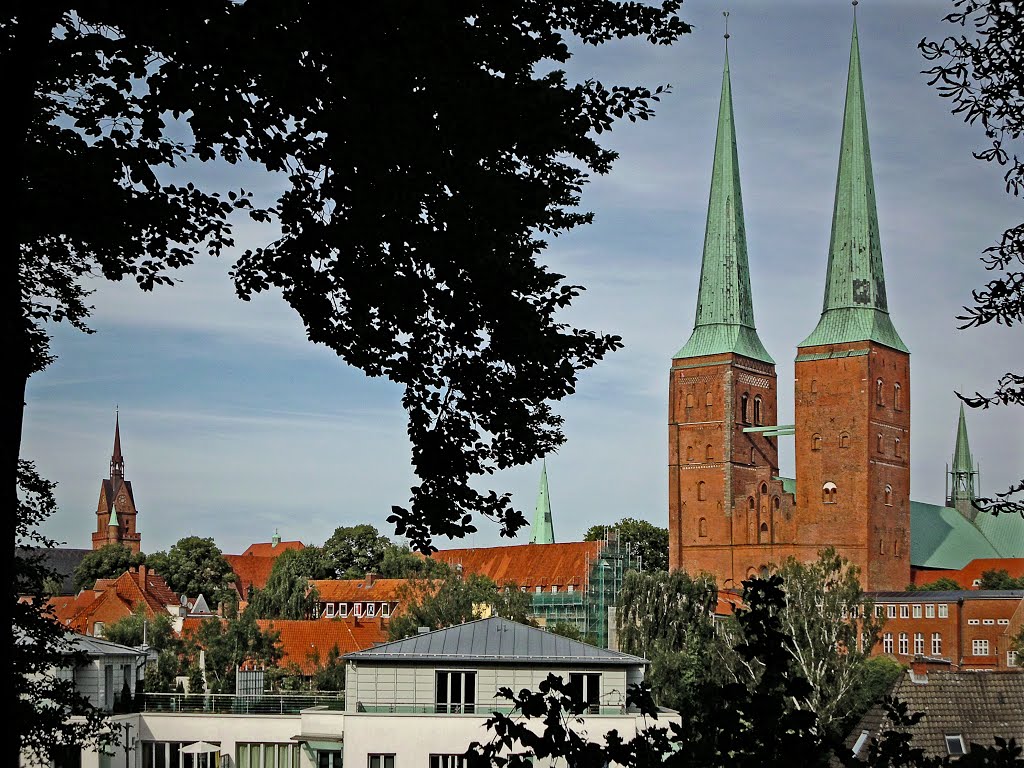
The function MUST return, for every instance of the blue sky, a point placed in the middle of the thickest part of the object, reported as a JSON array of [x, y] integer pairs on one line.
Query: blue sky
[[234, 426]]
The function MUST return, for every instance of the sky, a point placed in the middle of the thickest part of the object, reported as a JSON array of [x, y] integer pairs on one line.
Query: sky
[[234, 426]]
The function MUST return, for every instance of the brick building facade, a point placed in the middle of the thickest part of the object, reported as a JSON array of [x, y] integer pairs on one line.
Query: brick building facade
[[973, 630]]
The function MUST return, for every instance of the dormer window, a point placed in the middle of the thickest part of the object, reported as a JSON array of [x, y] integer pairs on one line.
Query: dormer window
[[385, 610], [357, 609], [342, 610], [329, 612], [371, 610]]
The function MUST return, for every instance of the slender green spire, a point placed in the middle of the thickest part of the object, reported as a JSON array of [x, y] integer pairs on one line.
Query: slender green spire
[[113, 522], [725, 311], [855, 307], [962, 459], [542, 531], [962, 473]]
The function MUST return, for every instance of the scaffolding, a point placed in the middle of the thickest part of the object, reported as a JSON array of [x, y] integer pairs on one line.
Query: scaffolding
[[590, 606]]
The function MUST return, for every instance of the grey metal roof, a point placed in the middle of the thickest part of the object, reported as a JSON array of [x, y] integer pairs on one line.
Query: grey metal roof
[[496, 641], [97, 646], [62, 560]]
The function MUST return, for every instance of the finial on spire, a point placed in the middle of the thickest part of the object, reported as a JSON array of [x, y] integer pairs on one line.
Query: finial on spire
[[726, 15], [855, 3]]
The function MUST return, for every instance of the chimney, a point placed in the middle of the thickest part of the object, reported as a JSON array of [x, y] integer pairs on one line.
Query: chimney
[[922, 665], [370, 578], [143, 572]]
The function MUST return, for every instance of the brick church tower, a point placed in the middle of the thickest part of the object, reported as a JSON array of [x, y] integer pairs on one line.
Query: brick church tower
[[730, 513], [852, 384], [724, 501], [115, 511]]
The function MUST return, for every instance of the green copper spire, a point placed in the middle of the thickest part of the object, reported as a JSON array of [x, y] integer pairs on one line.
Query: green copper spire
[[962, 473], [725, 311], [113, 522], [855, 308], [542, 531]]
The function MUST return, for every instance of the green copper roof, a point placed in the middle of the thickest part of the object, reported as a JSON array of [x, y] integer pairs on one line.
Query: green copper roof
[[113, 522], [855, 307], [962, 459], [725, 311], [940, 537], [542, 531]]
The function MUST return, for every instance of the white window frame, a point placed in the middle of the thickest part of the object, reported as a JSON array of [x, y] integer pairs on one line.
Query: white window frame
[[371, 610], [342, 610], [904, 611], [955, 746], [385, 610], [917, 611], [943, 610], [380, 760], [929, 611], [1011, 658], [904, 644], [570, 588], [887, 646], [329, 610], [357, 610], [973, 622], [979, 647], [936, 643], [988, 622], [1003, 622], [891, 611], [919, 643]]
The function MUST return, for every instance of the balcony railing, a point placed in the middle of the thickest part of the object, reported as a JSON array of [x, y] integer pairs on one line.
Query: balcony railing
[[231, 704], [411, 708]]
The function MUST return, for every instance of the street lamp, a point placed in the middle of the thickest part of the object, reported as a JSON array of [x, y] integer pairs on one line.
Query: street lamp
[[127, 741]]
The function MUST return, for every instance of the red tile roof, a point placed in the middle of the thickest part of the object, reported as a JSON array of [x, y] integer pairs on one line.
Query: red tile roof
[[113, 599], [303, 641], [971, 572], [269, 549], [250, 571], [358, 590], [528, 565]]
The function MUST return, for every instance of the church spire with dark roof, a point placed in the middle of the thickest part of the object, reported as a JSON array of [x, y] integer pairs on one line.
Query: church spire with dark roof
[[725, 310], [116, 459], [855, 306]]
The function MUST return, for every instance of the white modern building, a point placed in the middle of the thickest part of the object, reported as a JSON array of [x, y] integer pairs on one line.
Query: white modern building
[[413, 703]]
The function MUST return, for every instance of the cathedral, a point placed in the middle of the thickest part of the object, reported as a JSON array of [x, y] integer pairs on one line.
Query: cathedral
[[731, 514]]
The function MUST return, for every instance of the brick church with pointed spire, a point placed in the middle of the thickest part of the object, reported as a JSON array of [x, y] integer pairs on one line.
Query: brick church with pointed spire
[[116, 512]]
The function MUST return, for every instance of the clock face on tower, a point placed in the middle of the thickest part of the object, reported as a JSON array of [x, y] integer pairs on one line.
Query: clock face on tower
[[120, 500]]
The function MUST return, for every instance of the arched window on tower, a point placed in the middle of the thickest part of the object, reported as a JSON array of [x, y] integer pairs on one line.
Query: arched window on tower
[[744, 415], [776, 502], [689, 453], [880, 445], [897, 397], [702, 527], [816, 442], [814, 386], [753, 455], [763, 535], [709, 400], [764, 487], [844, 439], [689, 399], [750, 503], [702, 491], [828, 493], [879, 396], [757, 410], [709, 454], [888, 495], [899, 447]]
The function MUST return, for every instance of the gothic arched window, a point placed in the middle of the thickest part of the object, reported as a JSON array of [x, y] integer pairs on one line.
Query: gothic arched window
[[689, 399], [888, 495], [844, 439], [816, 442], [897, 397], [709, 454], [763, 538], [828, 493], [879, 395], [881, 445], [709, 400], [757, 410], [899, 448], [744, 415], [689, 453], [702, 527], [702, 491]]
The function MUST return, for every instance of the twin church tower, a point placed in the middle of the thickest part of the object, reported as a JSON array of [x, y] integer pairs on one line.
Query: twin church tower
[[730, 513]]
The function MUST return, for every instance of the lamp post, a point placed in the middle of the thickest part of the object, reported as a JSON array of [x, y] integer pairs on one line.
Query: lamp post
[[127, 741]]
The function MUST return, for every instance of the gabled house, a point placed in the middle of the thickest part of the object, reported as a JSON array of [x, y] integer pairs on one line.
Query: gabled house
[[113, 599], [370, 598], [960, 709]]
